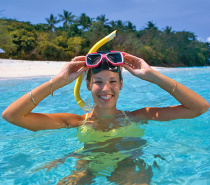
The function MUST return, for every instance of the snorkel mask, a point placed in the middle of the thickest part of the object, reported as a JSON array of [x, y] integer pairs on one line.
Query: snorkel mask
[[104, 60], [100, 43]]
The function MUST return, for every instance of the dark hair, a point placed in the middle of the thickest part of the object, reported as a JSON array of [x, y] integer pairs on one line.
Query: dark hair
[[89, 74]]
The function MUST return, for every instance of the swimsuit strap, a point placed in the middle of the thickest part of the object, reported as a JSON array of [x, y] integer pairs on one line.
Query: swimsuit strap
[[86, 117], [126, 117]]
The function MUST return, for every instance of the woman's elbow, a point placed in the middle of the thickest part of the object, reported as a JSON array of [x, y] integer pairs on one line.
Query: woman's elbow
[[9, 117], [205, 107], [202, 109], [5, 115]]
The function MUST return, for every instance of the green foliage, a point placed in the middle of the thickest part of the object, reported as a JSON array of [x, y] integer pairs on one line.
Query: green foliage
[[73, 31], [61, 42], [77, 35], [25, 40], [50, 51], [6, 41], [19, 38], [74, 46]]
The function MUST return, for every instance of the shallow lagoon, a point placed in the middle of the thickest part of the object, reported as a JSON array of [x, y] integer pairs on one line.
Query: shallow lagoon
[[184, 144]]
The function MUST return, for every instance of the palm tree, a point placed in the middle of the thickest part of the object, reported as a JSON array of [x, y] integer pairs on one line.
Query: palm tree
[[67, 17], [91, 22], [120, 24], [102, 19], [113, 24], [51, 22], [130, 27], [150, 25], [85, 21], [168, 30]]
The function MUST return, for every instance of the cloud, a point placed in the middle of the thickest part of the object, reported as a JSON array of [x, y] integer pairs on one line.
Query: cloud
[[208, 39]]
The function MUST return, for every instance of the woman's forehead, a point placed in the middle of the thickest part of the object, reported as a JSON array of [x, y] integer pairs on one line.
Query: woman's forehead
[[105, 74]]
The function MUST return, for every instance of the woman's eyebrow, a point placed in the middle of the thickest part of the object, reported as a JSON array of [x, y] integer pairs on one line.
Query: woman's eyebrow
[[99, 78]]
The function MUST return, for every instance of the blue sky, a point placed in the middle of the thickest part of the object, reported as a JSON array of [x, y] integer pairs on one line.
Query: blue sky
[[181, 15]]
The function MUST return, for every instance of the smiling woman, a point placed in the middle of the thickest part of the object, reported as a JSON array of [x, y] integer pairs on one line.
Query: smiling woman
[[112, 138]]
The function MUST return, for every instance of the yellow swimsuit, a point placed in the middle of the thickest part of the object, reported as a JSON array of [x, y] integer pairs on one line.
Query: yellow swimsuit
[[102, 160]]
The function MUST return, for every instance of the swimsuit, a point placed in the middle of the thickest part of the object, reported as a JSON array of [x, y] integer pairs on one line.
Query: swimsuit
[[104, 150]]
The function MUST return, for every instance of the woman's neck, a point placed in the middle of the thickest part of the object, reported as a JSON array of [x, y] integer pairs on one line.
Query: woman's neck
[[102, 112]]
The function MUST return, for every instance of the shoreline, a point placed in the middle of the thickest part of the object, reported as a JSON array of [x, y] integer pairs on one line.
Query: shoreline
[[14, 69]]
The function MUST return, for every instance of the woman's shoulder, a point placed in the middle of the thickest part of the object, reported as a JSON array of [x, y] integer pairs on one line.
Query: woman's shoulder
[[137, 115]]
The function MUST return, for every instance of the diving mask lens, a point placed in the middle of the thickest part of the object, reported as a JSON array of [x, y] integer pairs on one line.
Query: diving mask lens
[[115, 58], [93, 59]]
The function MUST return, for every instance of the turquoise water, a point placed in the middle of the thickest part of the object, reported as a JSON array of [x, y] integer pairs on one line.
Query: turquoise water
[[182, 144]]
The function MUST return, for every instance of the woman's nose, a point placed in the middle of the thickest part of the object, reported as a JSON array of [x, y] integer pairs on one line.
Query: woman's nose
[[106, 87]]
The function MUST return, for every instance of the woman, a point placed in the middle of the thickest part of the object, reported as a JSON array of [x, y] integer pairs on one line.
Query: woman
[[105, 85], [19, 112]]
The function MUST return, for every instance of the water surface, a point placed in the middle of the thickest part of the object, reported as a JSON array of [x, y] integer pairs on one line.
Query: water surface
[[182, 146]]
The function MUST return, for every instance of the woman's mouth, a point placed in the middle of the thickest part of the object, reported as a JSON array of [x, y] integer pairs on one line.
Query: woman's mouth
[[106, 97]]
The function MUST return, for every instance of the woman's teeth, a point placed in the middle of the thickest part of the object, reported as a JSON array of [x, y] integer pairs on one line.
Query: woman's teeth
[[106, 97]]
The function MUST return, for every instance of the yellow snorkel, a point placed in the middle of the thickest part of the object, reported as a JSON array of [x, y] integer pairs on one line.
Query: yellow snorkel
[[100, 43]]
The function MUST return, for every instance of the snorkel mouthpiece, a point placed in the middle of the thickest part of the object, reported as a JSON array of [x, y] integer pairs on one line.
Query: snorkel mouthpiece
[[100, 43]]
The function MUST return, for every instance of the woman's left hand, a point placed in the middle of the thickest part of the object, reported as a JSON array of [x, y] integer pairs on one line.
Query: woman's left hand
[[137, 66]]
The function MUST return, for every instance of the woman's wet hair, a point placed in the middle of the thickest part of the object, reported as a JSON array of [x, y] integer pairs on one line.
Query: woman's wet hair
[[89, 74]]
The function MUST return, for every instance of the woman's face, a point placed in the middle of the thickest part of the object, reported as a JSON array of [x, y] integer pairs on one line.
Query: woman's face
[[105, 87]]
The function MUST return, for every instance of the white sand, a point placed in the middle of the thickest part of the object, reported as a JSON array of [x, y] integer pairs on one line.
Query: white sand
[[24, 68]]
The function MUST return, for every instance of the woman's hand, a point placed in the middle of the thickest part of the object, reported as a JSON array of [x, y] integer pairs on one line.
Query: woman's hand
[[72, 70], [137, 67]]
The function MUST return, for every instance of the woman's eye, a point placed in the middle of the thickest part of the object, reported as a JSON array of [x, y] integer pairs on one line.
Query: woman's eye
[[113, 81], [98, 82]]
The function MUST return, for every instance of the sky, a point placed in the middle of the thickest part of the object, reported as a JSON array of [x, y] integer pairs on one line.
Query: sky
[[181, 15]]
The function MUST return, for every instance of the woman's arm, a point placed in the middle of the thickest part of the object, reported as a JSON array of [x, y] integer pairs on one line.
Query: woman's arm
[[19, 112], [192, 104]]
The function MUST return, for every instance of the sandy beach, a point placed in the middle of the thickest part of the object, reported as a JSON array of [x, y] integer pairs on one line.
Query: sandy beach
[[25, 68], [10, 68]]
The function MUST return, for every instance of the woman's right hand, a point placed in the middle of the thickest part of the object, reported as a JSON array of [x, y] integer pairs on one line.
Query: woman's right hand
[[72, 70]]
